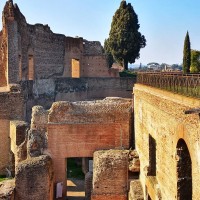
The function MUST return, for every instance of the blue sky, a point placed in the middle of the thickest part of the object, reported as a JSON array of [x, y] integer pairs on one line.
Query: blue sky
[[163, 22]]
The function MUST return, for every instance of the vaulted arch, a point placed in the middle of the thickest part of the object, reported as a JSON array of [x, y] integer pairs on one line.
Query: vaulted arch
[[184, 171]]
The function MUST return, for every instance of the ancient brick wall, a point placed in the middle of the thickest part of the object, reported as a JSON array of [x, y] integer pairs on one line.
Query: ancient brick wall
[[2, 70], [11, 108], [92, 48], [48, 52], [12, 105], [95, 66], [3, 58], [46, 91], [73, 50], [12, 59], [80, 128], [4, 146], [36, 41], [35, 52], [18, 140], [10, 68], [159, 117]]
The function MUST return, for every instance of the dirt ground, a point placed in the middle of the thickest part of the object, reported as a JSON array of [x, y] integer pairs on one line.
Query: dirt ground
[[75, 189]]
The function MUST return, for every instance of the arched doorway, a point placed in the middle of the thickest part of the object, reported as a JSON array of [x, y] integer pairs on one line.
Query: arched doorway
[[184, 172]]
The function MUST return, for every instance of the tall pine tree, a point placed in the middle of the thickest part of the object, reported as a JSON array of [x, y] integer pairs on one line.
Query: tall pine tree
[[125, 41], [186, 54]]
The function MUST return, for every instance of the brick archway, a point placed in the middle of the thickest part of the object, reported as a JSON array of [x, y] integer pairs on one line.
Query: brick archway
[[184, 172]]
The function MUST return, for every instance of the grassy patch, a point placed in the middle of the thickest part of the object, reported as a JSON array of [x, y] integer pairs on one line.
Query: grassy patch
[[74, 169], [2, 178]]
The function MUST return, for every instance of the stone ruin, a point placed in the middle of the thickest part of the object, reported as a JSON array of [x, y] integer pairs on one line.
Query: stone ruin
[[39, 67], [56, 76], [102, 129], [53, 72], [30, 52]]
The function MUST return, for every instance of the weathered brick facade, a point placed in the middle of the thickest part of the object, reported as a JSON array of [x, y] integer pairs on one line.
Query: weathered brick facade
[[167, 141], [79, 129], [11, 108], [52, 68], [31, 52], [39, 61]]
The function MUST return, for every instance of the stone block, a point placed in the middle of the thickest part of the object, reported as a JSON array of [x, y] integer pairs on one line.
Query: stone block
[[110, 175], [37, 142], [134, 161], [34, 179], [136, 192], [7, 190]]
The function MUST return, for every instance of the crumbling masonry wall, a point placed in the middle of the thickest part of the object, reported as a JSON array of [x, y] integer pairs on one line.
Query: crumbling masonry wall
[[46, 91], [11, 108], [78, 129], [159, 115], [31, 52], [18, 140]]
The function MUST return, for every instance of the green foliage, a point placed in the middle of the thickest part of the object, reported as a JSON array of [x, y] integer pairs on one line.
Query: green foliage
[[2, 178], [73, 169], [125, 41], [127, 73], [186, 54], [195, 61], [108, 53]]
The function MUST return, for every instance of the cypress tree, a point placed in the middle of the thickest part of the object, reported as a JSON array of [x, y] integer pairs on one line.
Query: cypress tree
[[109, 56], [124, 39], [186, 54]]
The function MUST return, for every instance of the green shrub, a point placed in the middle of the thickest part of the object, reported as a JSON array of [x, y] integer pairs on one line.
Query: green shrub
[[73, 169], [127, 73]]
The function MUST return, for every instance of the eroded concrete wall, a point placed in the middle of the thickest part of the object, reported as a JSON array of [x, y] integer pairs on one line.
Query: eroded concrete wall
[[160, 115]]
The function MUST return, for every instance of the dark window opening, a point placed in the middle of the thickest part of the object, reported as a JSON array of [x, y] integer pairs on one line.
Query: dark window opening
[[184, 172], [152, 157]]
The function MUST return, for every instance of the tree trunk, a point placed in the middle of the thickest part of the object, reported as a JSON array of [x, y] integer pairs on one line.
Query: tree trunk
[[125, 65]]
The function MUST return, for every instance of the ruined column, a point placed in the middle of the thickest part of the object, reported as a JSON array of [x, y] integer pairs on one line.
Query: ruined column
[[110, 175]]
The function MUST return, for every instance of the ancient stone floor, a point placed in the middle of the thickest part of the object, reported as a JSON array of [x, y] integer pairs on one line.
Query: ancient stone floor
[[75, 189]]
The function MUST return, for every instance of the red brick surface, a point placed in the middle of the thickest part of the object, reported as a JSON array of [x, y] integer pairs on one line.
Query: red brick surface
[[81, 140], [109, 197]]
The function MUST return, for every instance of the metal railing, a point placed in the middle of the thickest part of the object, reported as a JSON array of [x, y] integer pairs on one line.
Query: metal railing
[[185, 84]]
